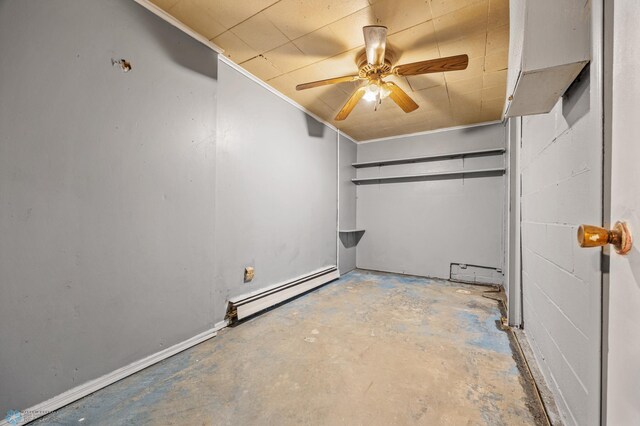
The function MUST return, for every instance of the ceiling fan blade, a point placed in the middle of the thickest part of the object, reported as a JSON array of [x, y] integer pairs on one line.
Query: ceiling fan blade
[[400, 97], [351, 103], [375, 42], [451, 63], [335, 80]]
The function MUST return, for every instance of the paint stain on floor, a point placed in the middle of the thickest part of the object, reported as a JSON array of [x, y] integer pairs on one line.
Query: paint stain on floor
[[368, 349]]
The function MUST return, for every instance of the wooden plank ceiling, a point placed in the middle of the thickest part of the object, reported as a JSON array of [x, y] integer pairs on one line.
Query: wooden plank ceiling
[[287, 42]]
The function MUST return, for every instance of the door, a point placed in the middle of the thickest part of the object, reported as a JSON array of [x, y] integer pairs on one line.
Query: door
[[621, 321]]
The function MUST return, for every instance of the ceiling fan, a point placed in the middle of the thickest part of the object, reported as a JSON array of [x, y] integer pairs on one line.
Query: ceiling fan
[[374, 66]]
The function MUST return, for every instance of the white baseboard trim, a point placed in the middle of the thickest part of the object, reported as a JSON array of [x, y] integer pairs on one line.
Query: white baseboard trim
[[89, 387]]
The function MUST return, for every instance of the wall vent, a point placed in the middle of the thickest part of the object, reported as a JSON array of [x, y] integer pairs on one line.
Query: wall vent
[[475, 274]]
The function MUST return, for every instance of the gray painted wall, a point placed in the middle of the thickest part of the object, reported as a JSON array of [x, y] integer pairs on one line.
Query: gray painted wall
[[106, 192], [126, 224], [276, 189], [421, 228], [561, 168], [348, 156]]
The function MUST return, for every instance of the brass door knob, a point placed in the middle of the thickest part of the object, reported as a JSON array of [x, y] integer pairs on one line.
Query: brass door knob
[[594, 236]]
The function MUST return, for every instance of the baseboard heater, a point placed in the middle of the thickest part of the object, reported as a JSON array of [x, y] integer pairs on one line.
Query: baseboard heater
[[241, 307]]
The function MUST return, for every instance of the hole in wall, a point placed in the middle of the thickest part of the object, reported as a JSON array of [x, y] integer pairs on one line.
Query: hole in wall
[[124, 65]]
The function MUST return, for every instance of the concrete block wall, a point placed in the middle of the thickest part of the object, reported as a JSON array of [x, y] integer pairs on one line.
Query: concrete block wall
[[561, 173]]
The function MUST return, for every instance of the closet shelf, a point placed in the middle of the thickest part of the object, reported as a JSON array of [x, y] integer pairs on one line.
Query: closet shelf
[[428, 176], [480, 152], [350, 237]]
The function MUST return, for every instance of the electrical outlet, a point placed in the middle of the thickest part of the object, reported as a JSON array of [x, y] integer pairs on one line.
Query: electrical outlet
[[248, 274]]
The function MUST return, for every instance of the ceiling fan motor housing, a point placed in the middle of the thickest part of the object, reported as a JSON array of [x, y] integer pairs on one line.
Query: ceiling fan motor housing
[[366, 69]]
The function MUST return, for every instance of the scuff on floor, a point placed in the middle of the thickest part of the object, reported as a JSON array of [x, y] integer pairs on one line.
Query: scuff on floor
[[370, 348]]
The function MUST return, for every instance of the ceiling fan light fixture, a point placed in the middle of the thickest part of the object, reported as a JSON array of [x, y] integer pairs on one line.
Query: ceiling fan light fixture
[[376, 91], [371, 94]]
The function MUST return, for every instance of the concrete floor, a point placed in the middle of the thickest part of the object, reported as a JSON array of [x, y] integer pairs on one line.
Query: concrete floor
[[368, 349]]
